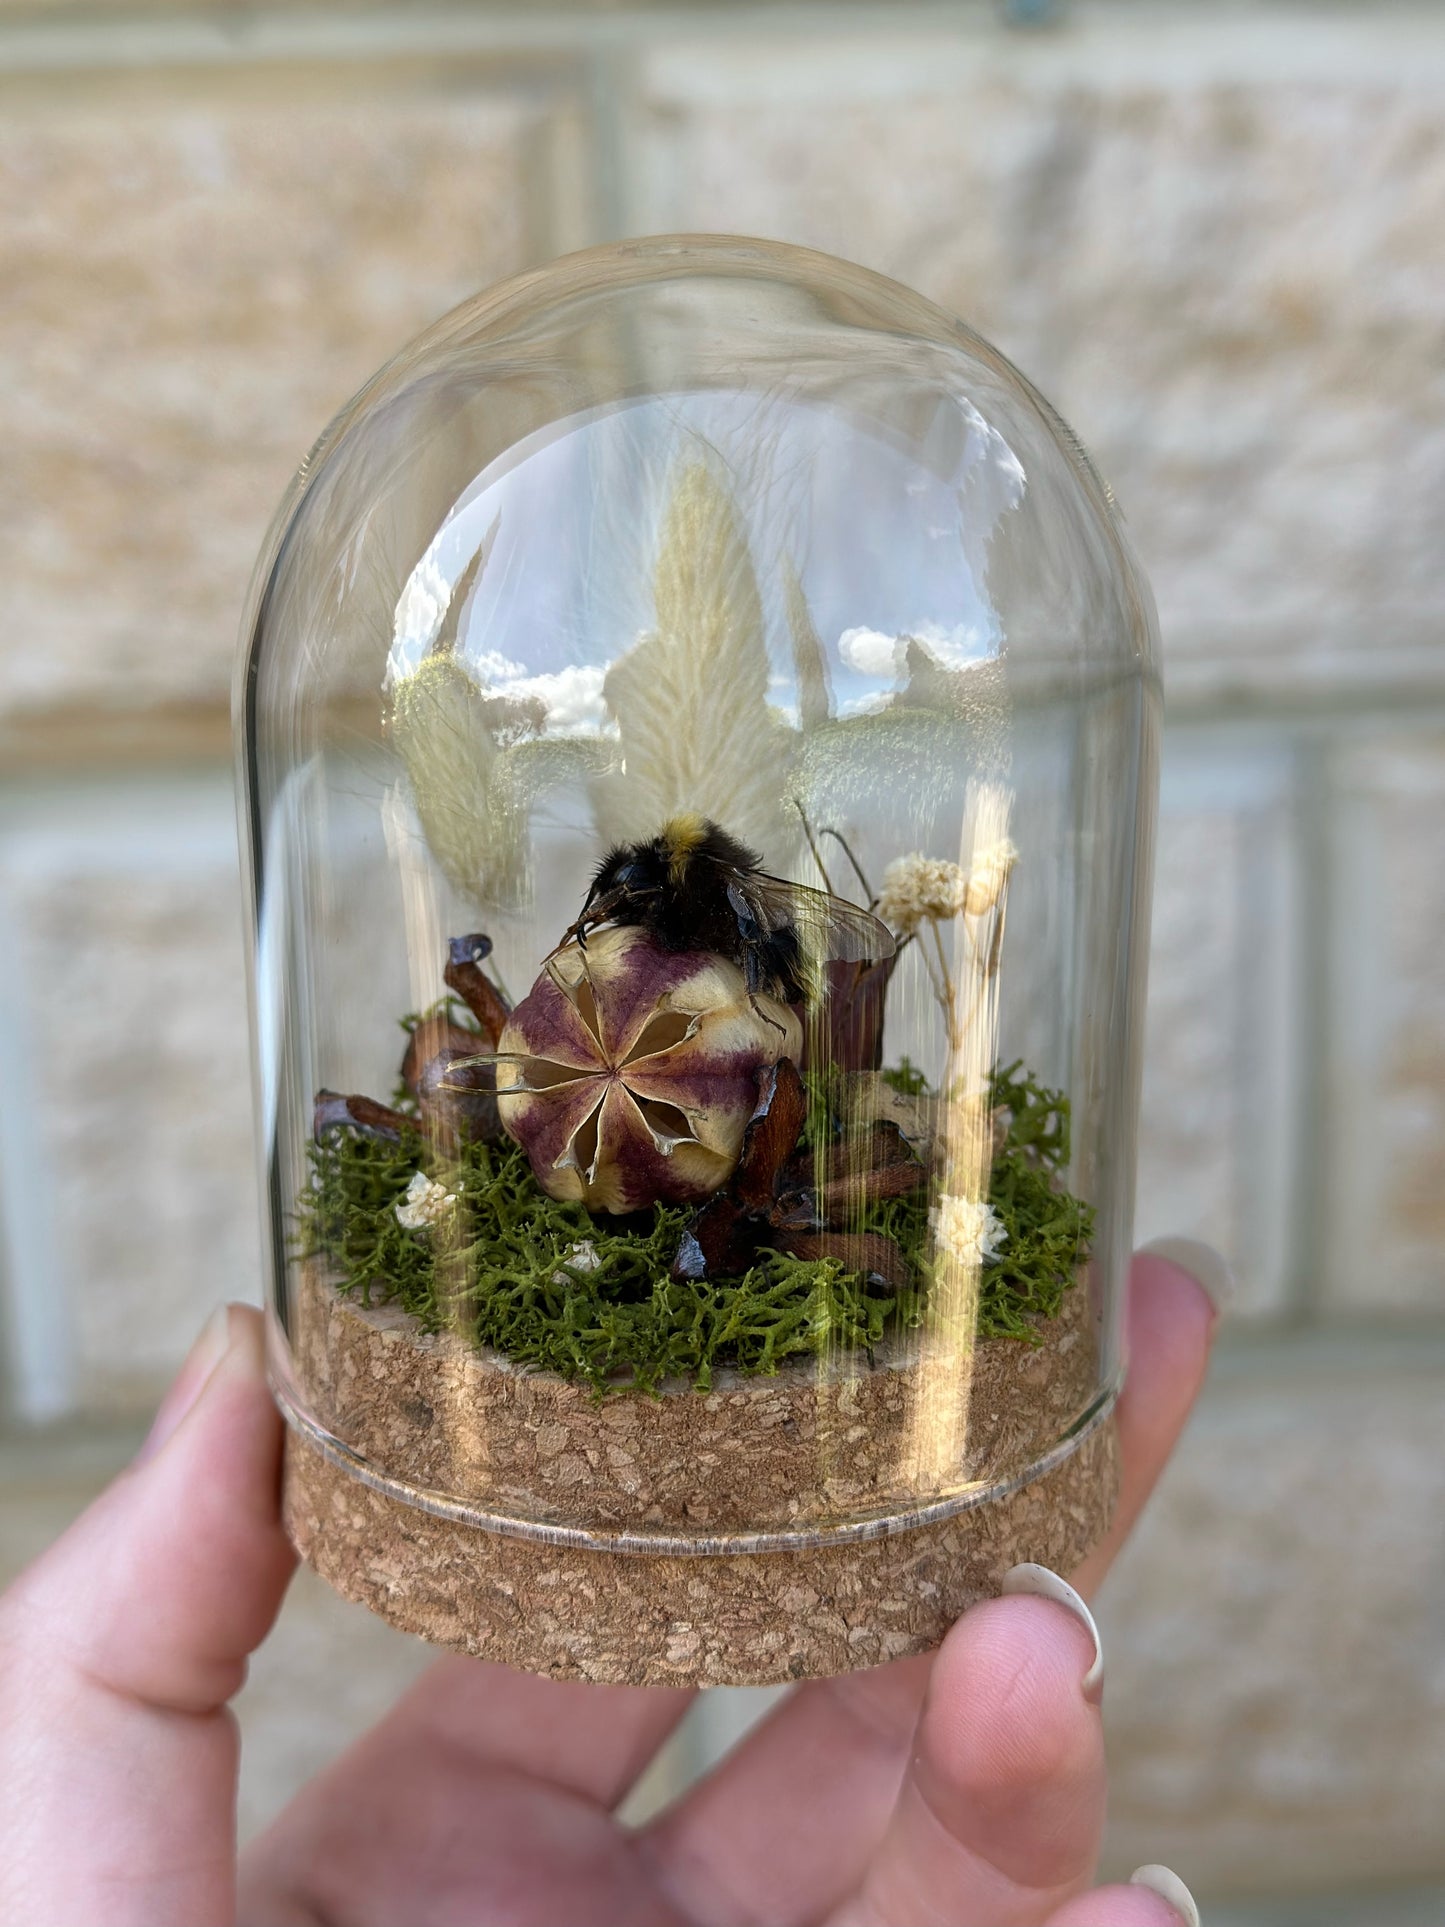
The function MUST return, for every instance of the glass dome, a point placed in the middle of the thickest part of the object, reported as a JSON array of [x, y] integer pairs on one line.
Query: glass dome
[[698, 726]]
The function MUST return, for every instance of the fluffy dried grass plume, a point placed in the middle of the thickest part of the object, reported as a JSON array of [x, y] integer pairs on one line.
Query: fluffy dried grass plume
[[439, 722], [695, 730], [473, 785], [691, 697]]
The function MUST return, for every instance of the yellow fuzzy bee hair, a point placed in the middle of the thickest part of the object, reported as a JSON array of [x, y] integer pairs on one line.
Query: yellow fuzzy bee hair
[[681, 836]]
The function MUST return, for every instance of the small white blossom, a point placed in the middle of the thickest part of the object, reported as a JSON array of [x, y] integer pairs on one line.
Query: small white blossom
[[968, 1229], [987, 877], [583, 1256], [426, 1203], [918, 889]]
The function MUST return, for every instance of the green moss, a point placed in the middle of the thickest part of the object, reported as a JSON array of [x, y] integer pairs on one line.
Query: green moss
[[503, 1267], [905, 1077]]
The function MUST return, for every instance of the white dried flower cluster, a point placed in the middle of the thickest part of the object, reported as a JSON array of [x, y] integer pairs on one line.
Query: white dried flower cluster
[[968, 1229], [920, 889], [582, 1256], [987, 877], [426, 1203], [925, 889]]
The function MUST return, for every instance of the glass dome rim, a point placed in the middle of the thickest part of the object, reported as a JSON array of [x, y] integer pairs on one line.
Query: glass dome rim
[[632, 263]]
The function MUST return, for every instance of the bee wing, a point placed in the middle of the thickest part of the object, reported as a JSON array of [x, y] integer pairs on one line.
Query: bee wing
[[830, 929]]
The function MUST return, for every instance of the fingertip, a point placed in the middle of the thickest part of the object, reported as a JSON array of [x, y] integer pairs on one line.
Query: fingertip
[[224, 1451], [1171, 1311], [1171, 1325], [243, 1356], [246, 1329], [233, 1338], [1209, 1269], [1008, 1735], [1020, 1660], [1134, 1905], [220, 1472], [169, 1580]]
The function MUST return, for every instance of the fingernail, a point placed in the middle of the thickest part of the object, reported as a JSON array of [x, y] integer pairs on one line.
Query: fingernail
[[1209, 1269], [1039, 1583], [189, 1382], [1168, 1886]]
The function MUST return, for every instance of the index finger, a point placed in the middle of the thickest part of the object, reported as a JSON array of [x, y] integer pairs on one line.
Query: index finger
[[119, 1648]]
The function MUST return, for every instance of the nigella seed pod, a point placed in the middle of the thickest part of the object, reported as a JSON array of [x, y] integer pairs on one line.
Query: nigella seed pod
[[629, 1072]]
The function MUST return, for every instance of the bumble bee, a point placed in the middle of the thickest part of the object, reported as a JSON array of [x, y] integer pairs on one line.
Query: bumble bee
[[695, 887]]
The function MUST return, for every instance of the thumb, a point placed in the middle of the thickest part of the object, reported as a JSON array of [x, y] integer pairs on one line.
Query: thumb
[[119, 1648]]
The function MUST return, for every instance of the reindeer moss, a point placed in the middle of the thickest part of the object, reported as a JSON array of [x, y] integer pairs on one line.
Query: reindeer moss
[[514, 1269]]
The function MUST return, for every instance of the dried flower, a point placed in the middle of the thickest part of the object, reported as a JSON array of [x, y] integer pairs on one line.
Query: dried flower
[[775, 1197], [968, 1229], [362, 1115], [920, 889], [581, 1256], [923, 889], [987, 877], [454, 1087], [629, 1072], [426, 1203]]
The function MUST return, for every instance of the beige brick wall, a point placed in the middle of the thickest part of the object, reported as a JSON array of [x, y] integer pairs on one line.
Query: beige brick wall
[[204, 267], [127, 964], [1214, 241], [1211, 244]]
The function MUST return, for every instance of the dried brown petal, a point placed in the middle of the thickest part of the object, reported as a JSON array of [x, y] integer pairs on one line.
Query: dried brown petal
[[771, 1199], [457, 1100], [455, 1091], [875, 1100], [772, 1135], [720, 1240], [360, 1114], [431, 1037], [877, 1165], [869, 1252], [464, 975]]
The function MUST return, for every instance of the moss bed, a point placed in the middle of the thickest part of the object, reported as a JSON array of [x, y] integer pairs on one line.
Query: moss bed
[[505, 1272]]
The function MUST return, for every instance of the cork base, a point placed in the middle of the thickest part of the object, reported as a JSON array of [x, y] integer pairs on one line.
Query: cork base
[[785, 1453], [644, 1619]]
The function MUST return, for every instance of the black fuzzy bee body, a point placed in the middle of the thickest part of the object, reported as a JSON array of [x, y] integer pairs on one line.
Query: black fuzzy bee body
[[694, 886]]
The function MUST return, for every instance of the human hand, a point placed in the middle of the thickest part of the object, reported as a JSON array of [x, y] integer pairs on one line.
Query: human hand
[[965, 1786]]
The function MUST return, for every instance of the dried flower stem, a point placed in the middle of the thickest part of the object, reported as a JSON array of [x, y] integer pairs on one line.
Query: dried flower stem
[[985, 974], [816, 853], [869, 897]]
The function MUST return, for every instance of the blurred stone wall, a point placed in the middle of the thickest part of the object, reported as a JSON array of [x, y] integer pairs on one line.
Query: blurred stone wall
[[1214, 239]]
